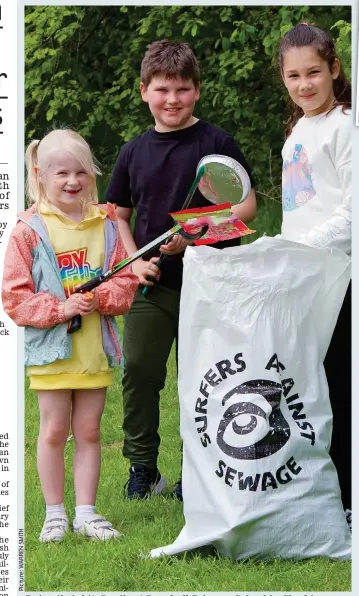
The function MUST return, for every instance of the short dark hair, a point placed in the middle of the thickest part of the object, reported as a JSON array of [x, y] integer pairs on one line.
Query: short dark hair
[[171, 58]]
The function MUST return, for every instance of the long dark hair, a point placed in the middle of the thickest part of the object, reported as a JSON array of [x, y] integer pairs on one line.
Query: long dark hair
[[304, 34]]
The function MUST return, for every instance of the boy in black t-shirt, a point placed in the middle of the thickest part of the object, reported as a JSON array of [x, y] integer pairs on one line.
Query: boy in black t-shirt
[[153, 174]]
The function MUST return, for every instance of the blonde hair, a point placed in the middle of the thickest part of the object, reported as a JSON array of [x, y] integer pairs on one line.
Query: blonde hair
[[38, 157]]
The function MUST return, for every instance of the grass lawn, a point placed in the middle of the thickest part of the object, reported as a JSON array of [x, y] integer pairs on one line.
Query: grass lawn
[[80, 565]]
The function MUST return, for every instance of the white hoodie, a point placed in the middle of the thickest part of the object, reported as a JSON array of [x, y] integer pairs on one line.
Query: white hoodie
[[316, 181]]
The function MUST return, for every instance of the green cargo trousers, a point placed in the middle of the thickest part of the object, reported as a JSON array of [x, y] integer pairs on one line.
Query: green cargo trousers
[[150, 328]]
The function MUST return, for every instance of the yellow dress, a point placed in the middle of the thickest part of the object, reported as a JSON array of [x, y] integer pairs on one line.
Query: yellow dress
[[80, 251]]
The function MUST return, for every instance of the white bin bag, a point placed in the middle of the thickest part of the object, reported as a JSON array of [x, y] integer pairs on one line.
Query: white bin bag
[[256, 421]]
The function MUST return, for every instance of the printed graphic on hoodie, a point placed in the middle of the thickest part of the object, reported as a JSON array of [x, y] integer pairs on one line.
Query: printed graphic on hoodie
[[297, 180], [75, 269]]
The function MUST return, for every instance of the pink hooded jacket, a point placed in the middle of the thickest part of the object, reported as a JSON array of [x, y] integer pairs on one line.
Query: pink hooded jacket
[[32, 302]]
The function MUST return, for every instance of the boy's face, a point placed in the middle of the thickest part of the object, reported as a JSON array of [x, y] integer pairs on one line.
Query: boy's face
[[171, 101]]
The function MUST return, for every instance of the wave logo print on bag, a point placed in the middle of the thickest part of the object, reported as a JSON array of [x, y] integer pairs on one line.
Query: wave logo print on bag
[[253, 428], [270, 419]]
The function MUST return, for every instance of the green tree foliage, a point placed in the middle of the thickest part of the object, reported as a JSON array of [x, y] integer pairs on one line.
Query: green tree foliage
[[83, 65]]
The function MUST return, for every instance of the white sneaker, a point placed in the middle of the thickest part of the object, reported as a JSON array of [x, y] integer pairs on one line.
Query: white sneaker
[[95, 527], [54, 529]]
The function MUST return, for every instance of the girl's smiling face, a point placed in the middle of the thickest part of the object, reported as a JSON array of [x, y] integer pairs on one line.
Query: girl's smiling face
[[66, 182], [308, 79]]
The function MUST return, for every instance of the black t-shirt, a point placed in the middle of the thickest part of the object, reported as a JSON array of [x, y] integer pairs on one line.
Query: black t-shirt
[[153, 174]]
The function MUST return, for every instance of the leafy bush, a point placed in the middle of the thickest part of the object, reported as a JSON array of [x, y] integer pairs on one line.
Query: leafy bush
[[83, 65]]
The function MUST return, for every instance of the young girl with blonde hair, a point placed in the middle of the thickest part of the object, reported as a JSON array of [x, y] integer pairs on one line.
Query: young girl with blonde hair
[[64, 239]]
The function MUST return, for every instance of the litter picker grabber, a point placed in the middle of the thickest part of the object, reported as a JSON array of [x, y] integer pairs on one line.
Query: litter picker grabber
[[75, 322], [220, 179], [192, 190]]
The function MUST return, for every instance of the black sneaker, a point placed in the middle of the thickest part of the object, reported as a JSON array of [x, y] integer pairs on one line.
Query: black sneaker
[[348, 517], [143, 482], [177, 491]]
